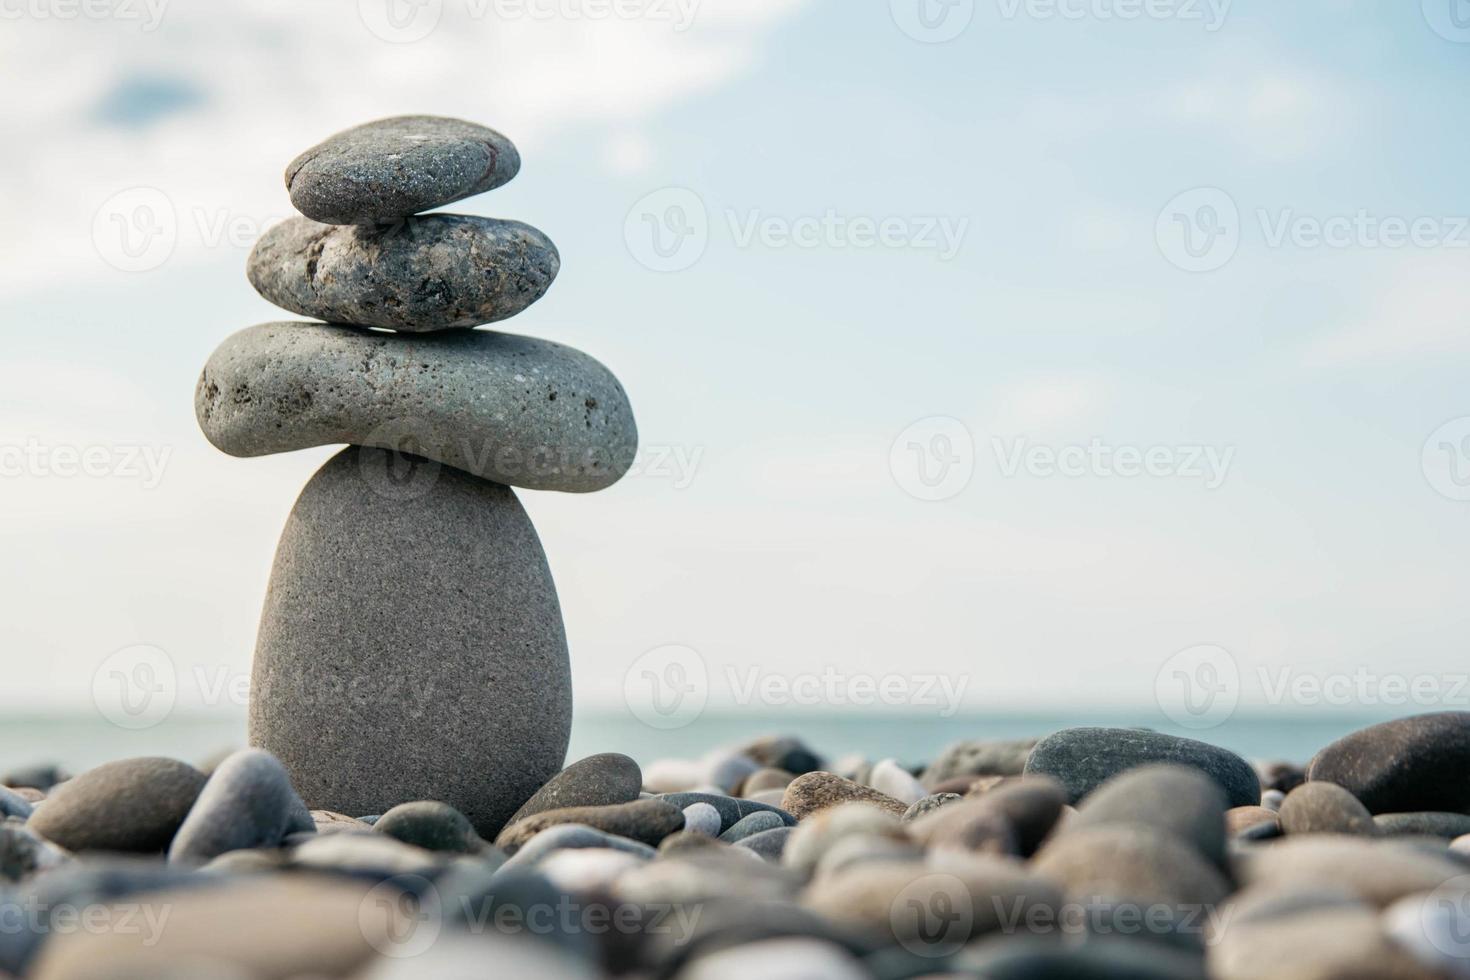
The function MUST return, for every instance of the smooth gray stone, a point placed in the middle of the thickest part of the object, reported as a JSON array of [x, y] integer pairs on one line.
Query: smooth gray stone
[[1084, 758], [1445, 825], [23, 852], [248, 803], [979, 757], [1407, 765], [598, 780], [514, 410], [368, 855], [412, 649], [1133, 863], [1325, 808], [127, 806], [751, 824], [570, 835], [732, 809], [437, 272], [12, 804], [1174, 799], [769, 844], [391, 168], [431, 825], [41, 777], [930, 803]]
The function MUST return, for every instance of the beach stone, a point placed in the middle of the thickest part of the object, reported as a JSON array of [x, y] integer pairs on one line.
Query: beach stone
[[1283, 777], [1240, 819], [695, 878], [513, 410], [42, 777], [248, 802], [1177, 800], [938, 909], [28, 793], [1043, 957], [1331, 944], [785, 752], [684, 841], [726, 770], [14, 803], [331, 822], [864, 848], [431, 825], [370, 855], [464, 697], [646, 821], [769, 797], [979, 757], [438, 272], [960, 785], [891, 779], [1407, 765], [23, 853], [817, 791], [1272, 799], [1431, 929], [271, 927], [732, 809], [1270, 904], [766, 779], [1134, 863], [1379, 871], [465, 957], [929, 804], [822, 831], [587, 869], [769, 844], [569, 837], [1446, 825], [733, 924], [131, 805], [1325, 808], [598, 780], [967, 826], [1084, 758], [392, 168], [672, 776], [790, 958], [701, 818], [515, 901], [754, 823]]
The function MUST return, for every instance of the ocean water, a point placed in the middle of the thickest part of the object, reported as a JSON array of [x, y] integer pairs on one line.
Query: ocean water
[[84, 740]]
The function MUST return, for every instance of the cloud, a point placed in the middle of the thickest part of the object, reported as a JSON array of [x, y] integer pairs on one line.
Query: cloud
[[1422, 308]]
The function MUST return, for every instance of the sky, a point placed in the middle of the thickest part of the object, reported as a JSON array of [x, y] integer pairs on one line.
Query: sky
[[1036, 352]]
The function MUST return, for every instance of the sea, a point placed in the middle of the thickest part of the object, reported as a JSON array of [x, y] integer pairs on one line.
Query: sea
[[79, 741]]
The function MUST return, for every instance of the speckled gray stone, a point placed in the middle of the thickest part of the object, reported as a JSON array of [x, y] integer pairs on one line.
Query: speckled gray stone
[[523, 412], [391, 168], [131, 805], [432, 273], [1084, 758], [412, 649], [598, 780], [248, 802]]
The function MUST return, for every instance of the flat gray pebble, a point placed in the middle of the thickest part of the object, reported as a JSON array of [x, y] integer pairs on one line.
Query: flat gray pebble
[[513, 410], [436, 272], [391, 168]]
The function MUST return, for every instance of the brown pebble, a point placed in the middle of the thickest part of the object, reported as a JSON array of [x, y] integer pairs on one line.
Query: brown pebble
[[1243, 818], [817, 791]]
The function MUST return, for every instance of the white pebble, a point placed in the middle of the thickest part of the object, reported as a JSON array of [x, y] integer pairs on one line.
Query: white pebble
[[588, 868], [672, 775], [777, 959], [893, 780], [1272, 799], [727, 770], [702, 818]]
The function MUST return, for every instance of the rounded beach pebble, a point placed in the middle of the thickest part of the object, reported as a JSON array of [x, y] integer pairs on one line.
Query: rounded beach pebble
[[132, 805], [431, 273], [1084, 758], [522, 412], [598, 780], [466, 701], [392, 168], [1405, 765], [247, 802]]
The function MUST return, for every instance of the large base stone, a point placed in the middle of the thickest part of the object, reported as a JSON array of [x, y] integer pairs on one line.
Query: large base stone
[[412, 644]]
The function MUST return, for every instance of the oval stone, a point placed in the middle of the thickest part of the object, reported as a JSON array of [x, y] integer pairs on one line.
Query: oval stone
[[1409, 764], [431, 273], [523, 412], [412, 649], [392, 168], [130, 805], [1084, 758]]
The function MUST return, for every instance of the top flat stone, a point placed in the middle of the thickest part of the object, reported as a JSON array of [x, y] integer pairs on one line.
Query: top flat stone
[[390, 169]]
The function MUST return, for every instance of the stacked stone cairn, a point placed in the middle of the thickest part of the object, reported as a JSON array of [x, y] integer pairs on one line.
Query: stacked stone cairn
[[412, 644]]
